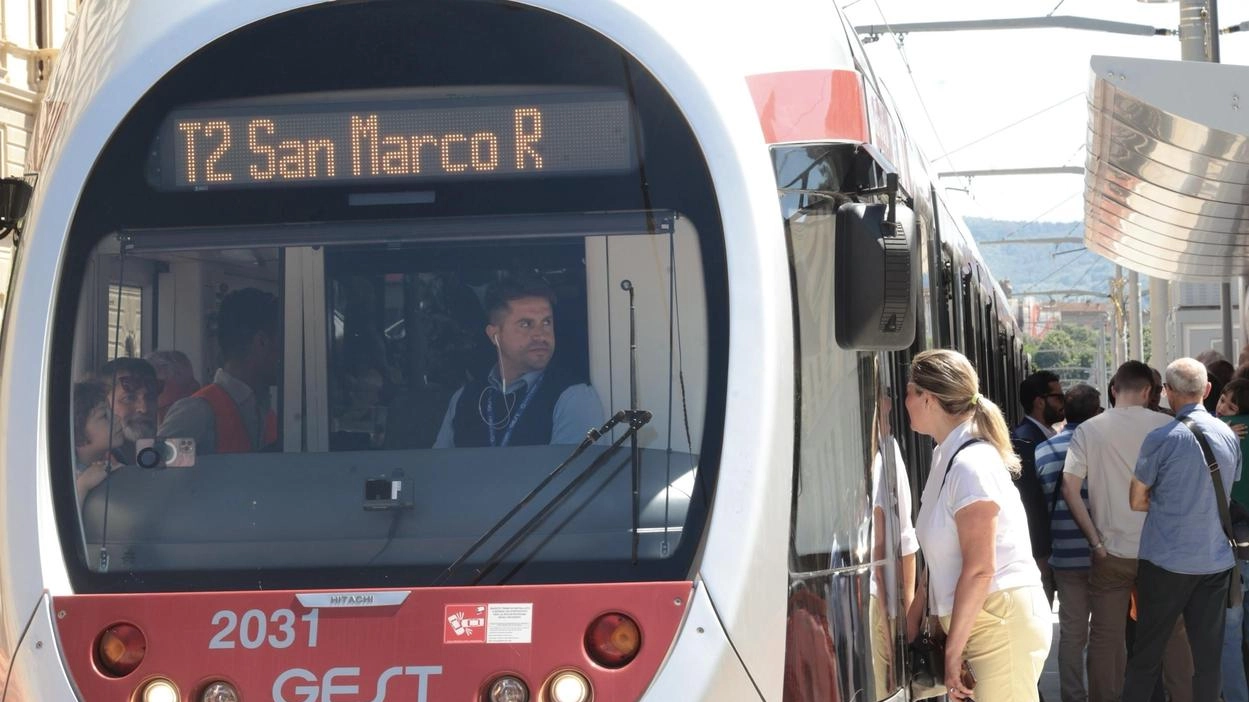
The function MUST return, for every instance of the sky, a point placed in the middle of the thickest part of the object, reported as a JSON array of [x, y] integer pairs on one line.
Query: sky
[[955, 89]]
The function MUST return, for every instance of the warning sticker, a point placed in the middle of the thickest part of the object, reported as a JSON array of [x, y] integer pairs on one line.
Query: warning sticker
[[510, 623], [464, 623], [506, 623]]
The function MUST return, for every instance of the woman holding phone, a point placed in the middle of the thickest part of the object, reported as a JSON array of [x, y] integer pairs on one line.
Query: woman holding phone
[[982, 580]]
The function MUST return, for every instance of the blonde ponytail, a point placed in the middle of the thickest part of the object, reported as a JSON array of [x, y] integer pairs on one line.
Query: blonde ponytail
[[950, 378], [988, 424]]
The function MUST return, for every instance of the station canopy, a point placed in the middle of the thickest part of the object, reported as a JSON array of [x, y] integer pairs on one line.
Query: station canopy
[[1166, 187]]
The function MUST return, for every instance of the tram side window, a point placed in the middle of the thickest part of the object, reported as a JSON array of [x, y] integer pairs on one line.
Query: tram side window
[[838, 400]]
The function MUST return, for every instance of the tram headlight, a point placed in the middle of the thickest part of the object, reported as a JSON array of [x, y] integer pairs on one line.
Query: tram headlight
[[568, 686], [159, 690], [613, 640], [507, 688], [219, 691], [120, 649]]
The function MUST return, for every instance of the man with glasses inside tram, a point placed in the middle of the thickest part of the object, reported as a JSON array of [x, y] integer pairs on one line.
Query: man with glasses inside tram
[[132, 392], [525, 400]]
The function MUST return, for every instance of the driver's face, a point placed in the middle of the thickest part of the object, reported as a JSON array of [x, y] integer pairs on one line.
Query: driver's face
[[525, 335]]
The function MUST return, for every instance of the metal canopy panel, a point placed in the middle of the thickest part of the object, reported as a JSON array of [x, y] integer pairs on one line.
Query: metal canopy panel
[[1167, 176]]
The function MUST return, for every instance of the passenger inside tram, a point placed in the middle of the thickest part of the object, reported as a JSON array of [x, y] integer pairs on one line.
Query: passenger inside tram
[[526, 399], [133, 389], [233, 414], [177, 377], [95, 433]]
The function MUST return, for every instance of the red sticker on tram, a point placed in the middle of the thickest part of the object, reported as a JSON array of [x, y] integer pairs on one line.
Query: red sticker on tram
[[464, 623]]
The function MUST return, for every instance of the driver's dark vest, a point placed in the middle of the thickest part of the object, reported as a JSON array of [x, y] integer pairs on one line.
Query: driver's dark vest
[[535, 424]]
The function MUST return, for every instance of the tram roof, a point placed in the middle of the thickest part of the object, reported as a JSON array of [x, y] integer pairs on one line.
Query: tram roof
[[1167, 177]]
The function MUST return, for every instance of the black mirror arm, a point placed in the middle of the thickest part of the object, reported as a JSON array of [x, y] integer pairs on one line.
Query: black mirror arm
[[637, 419], [893, 184]]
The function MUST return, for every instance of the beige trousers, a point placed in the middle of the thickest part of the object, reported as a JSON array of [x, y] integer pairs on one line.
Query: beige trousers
[[1009, 642]]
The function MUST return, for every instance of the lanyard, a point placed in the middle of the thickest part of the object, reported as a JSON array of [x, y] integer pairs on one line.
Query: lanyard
[[490, 424]]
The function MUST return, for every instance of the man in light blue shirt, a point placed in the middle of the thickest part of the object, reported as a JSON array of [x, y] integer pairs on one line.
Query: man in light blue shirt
[[1185, 557]]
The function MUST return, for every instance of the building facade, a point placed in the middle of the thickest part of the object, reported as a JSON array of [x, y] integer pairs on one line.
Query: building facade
[[31, 32]]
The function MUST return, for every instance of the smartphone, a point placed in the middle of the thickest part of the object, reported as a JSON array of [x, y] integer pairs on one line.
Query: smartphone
[[163, 452], [967, 677]]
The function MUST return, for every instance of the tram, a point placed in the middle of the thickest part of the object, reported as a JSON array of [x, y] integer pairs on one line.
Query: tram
[[741, 250]]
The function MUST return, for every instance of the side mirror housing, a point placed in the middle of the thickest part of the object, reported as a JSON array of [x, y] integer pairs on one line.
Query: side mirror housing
[[876, 269], [14, 200]]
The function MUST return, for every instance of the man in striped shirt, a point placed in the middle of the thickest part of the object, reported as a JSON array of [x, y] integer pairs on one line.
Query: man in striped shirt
[[1070, 556]]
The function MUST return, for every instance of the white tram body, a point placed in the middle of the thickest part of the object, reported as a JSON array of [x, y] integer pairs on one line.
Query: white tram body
[[755, 86]]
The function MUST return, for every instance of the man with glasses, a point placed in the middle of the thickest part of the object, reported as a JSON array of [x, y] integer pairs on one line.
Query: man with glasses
[[132, 392], [1041, 395]]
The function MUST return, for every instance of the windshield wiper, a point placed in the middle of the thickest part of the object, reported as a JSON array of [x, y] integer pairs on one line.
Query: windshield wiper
[[636, 420]]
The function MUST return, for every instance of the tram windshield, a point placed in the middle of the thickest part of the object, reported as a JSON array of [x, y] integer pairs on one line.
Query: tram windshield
[[308, 347], [350, 404]]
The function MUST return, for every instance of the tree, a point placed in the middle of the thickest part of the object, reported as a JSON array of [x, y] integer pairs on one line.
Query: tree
[[1067, 348]]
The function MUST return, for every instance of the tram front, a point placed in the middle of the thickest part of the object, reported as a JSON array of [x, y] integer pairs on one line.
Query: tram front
[[313, 313]]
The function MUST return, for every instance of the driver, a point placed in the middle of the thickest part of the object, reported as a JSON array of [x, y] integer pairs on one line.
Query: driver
[[525, 399]]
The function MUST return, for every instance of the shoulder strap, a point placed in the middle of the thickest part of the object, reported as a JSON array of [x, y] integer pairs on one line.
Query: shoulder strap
[[1058, 486], [949, 464], [1234, 594], [1219, 495], [927, 575]]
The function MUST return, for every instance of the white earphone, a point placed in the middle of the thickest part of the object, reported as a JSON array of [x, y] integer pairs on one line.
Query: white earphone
[[500, 352]]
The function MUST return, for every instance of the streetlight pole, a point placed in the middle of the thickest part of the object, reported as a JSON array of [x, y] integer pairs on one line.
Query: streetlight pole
[[1134, 316], [1199, 41]]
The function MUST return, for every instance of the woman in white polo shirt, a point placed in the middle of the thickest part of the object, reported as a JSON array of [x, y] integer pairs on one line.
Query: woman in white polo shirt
[[983, 581]]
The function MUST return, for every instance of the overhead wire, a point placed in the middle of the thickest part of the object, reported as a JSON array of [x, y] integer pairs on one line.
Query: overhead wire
[[1087, 271], [1054, 272], [936, 133], [1017, 122], [947, 153], [1034, 220]]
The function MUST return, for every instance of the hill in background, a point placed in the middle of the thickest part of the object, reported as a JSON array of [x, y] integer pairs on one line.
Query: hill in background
[[1035, 267]]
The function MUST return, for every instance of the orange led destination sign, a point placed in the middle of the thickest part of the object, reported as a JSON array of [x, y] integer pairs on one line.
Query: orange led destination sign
[[375, 137]]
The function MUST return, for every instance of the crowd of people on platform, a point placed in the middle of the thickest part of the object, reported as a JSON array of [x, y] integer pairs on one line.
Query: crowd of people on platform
[[1112, 507]]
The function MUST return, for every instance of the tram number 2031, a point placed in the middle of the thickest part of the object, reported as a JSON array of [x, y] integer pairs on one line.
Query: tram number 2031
[[254, 629]]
